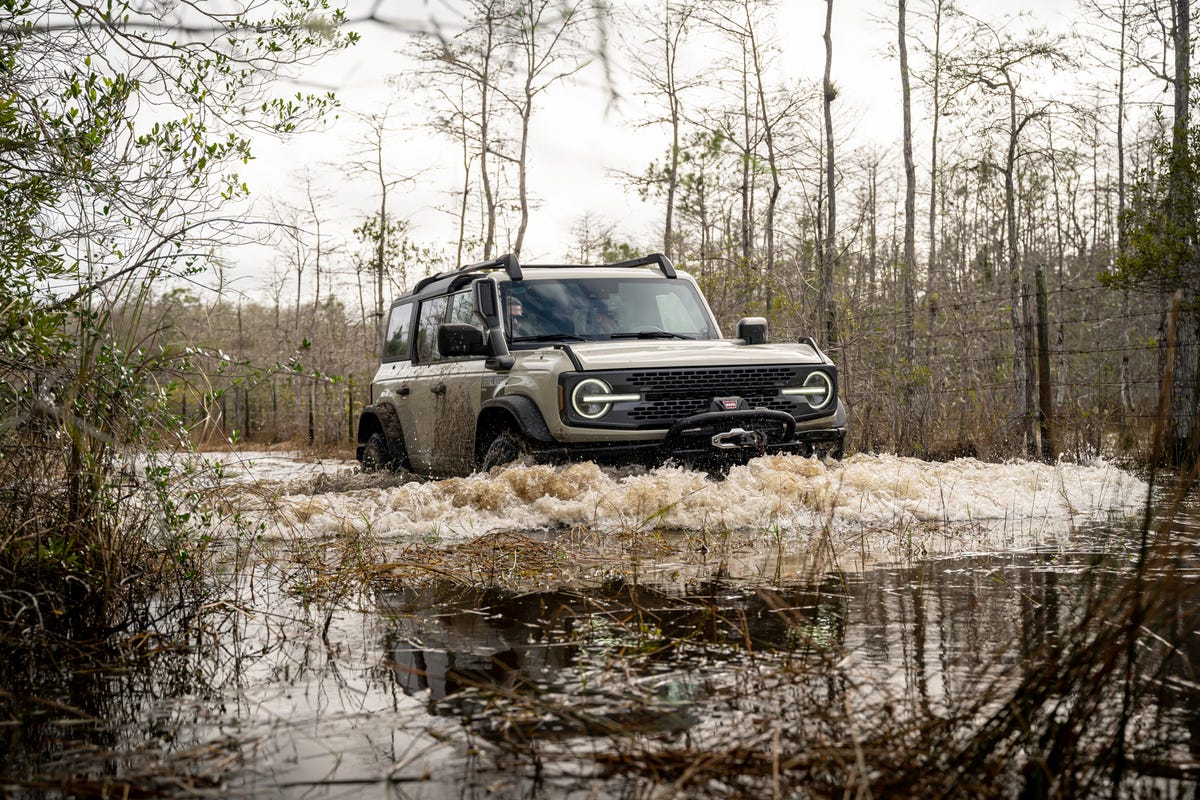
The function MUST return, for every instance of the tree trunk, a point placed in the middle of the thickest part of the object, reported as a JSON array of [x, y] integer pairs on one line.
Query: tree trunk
[[909, 264], [485, 143], [381, 245], [466, 194], [1185, 394], [772, 165], [670, 55], [522, 166], [1018, 311], [529, 19], [826, 307], [1126, 388], [1045, 406], [746, 232], [931, 301]]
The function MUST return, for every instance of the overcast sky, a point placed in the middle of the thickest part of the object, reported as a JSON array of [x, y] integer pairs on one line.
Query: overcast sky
[[580, 138]]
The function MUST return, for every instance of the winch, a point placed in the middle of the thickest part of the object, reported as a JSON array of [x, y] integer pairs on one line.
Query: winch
[[739, 438]]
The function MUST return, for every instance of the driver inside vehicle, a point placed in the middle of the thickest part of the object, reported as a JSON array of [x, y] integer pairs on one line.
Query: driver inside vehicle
[[516, 311], [602, 320]]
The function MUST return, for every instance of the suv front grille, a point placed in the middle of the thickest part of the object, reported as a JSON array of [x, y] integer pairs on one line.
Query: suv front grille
[[714, 382], [672, 394]]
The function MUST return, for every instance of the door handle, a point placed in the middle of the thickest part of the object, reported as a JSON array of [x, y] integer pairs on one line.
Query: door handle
[[438, 388], [403, 391]]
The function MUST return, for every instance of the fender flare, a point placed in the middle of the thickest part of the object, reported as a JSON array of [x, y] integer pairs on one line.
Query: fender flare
[[523, 411], [382, 418]]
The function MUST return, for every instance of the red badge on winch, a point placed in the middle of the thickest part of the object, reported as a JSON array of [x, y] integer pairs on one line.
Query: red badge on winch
[[729, 404]]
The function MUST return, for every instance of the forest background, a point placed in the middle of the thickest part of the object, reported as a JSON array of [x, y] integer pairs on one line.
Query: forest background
[[993, 280], [1016, 277]]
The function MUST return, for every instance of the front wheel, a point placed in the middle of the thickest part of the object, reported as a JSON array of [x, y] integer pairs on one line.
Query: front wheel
[[375, 454], [505, 448]]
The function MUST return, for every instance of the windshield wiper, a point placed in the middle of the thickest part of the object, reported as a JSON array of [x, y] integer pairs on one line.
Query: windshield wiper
[[651, 335], [549, 337]]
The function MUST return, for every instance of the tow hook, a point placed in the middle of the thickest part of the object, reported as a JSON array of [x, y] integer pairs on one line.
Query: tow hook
[[737, 439]]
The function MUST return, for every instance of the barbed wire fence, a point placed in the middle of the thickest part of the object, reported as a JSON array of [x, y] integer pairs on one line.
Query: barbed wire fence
[[960, 393], [957, 396]]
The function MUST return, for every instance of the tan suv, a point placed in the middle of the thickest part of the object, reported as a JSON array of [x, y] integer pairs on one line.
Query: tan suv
[[499, 361]]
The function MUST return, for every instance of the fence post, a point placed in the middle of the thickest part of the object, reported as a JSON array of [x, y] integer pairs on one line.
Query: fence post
[[1045, 405]]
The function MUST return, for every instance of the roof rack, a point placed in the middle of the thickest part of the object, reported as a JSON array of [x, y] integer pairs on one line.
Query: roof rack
[[508, 262], [662, 261]]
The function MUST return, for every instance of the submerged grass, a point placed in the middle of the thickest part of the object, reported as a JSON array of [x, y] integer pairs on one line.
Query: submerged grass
[[696, 667], [1090, 708], [787, 711]]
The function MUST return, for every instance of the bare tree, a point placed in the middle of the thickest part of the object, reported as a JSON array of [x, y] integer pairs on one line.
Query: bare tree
[[939, 13], [909, 264], [762, 114], [369, 159], [593, 238], [828, 262], [471, 66], [657, 67], [996, 63], [542, 32]]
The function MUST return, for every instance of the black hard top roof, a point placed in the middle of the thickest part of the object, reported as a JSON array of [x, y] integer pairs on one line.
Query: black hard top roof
[[448, 281]]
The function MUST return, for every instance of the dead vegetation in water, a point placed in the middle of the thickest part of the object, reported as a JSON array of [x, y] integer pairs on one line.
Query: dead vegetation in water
[[1091, 708], [92, 771], [1098, 703], [582, 557], [1088, 710], [1074, 719]]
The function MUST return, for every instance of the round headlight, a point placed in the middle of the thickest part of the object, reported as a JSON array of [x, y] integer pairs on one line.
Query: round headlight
[[588, 398], [821, 381]]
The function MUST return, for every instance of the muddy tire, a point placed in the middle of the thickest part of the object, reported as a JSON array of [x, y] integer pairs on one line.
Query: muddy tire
[[505, 448], [375, 455]]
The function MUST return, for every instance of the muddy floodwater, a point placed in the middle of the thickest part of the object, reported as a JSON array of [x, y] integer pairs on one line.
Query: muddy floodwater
[[878, 627]]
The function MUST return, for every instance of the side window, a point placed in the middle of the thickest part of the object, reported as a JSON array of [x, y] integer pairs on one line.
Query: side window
[[462, 309], [399, 329], [433, 313]]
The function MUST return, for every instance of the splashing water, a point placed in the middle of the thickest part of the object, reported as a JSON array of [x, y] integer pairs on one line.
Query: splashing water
[[878, 503]]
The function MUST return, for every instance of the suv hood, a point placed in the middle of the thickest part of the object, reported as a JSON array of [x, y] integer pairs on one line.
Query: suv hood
[[641, 353]]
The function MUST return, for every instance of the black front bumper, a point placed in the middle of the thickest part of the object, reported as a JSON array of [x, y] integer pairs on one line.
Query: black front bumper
[[712, 437]]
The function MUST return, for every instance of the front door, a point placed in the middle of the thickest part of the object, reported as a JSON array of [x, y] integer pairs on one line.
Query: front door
[[445, 395]]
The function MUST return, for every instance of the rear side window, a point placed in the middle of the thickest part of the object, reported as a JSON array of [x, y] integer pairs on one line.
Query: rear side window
[[433, 313], [399, 330]]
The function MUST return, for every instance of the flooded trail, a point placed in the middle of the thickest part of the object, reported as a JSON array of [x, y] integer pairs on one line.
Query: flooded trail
[[553, 633], [866, 509]]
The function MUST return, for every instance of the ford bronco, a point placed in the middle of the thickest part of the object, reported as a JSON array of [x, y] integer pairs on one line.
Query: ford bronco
[[500, 361]]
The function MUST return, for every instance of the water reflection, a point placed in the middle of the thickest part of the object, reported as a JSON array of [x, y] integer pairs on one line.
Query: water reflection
[[84, 718], [445, 639], [444, 691], [956, 639]]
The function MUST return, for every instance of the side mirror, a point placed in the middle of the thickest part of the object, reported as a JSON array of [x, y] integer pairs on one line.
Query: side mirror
[[752, 330], [460, 339]]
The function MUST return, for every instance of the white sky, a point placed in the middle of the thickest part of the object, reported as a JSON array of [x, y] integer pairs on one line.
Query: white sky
[[578, 138]]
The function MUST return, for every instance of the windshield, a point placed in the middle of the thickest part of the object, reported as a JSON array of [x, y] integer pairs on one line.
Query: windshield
[[597, 309]]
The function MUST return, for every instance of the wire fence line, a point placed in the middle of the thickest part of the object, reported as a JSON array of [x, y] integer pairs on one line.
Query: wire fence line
[[956, 395], [959, 389]]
